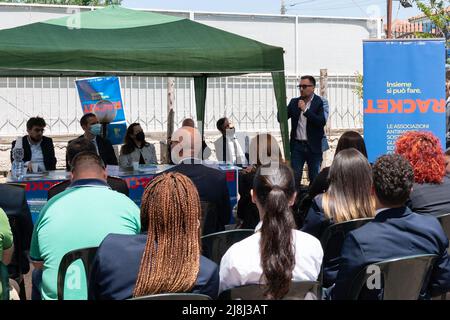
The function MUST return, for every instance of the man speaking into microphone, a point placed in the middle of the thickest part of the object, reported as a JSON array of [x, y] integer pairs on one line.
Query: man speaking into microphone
[[307, 129]]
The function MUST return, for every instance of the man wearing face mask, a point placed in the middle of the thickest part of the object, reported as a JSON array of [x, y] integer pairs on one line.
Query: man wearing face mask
[[37, 147], [92, 131], [227, 146]]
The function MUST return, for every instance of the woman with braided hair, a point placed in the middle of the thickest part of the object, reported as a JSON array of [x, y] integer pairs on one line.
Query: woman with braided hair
[[164, 260], [277, 253]]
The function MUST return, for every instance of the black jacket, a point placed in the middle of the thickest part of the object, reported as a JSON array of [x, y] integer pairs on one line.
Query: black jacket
[[48, 152], [212, 187], [315, 122]]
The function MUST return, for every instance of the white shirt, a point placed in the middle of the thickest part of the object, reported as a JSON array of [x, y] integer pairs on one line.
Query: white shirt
[[301, 127], [36, 154], [94, 141], [241, 263], [234, 151]]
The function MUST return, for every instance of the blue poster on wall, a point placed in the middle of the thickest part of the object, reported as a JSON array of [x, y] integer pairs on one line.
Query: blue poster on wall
[[102, 96], [404, 90]]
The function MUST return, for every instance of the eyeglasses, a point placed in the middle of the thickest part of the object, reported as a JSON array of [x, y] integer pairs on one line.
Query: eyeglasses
[[304, 86]]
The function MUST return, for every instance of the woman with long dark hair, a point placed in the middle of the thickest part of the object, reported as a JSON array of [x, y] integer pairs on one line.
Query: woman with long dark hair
[[136, 149], [164, 260], [277, 253]]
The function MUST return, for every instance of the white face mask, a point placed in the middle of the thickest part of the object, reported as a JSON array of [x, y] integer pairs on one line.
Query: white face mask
[[230, 132], [96, 129]]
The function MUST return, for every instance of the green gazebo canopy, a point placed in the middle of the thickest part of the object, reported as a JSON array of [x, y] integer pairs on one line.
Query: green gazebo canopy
[[124, 42]]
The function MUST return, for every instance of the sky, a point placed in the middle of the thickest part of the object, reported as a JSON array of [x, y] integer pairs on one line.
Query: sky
[[342, 8]]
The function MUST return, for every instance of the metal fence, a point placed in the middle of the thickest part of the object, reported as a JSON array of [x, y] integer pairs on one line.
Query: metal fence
[[248, 100], [414, 30]]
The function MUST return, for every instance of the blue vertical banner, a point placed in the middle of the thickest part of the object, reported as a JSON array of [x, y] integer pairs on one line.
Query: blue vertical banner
[[98, 94], [404, 90]]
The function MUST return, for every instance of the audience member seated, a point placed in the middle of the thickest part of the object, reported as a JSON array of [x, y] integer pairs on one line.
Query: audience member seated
[[37, 148], [14, 202], [136, 149], [6, 243], [228, 148], [206, 151], [84, 145], [92, 131], [431, 191], [349, 139], [79, 217], [277, 253], [164, 260], [349, 197], [395, 232], [211, 183], [260, 153]]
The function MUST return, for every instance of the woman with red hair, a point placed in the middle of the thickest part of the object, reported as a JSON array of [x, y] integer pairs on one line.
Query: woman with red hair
[[431, 190]]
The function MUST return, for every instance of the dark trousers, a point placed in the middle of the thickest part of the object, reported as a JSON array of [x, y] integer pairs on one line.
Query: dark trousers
[[301, 153], [36, 281]]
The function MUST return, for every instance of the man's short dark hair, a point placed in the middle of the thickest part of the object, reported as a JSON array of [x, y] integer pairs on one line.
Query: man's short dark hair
[[87, 158], [393, 178], [77, 146], [35, 122], [220, 123], [84, 119], [310, 78]]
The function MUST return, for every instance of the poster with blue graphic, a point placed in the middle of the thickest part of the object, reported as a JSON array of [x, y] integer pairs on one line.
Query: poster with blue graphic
[[102, 96], [404, 90]]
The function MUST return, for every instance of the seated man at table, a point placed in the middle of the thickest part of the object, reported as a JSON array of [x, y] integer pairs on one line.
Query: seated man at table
[[206, 151], [37, 148], [75, 147], [92, 131], [211, 183], [395, 232], [80, 217]]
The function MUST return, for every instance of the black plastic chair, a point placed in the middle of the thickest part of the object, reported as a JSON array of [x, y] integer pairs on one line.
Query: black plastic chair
[[174, 296], [401, 278], [4, 279], [445, 223], [216, 244], [209, 222], [299, 290], [86, 255], [333, 239]]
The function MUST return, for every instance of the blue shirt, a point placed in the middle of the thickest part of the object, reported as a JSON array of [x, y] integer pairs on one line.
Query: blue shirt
[[117, 264]]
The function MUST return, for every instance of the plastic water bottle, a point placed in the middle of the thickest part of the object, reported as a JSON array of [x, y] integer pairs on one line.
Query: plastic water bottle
[[17, 169]]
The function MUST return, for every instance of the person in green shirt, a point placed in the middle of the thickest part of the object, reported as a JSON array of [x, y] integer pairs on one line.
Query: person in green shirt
[[81, 216], [6, 248]]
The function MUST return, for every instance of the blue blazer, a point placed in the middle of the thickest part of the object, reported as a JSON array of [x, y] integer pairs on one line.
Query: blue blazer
[[116, 266], [315, 224], [393, 233], [315, 122], [212, 186]]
